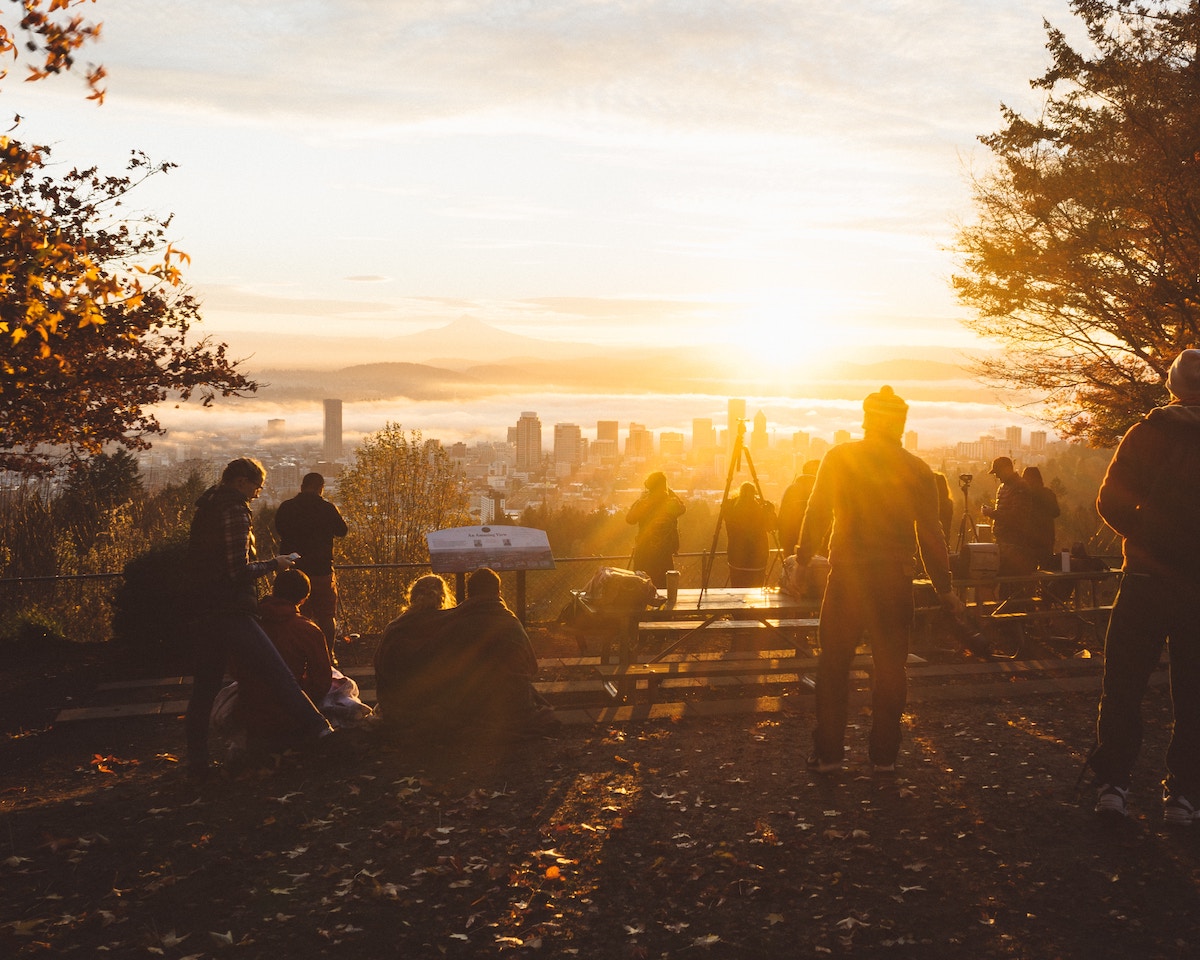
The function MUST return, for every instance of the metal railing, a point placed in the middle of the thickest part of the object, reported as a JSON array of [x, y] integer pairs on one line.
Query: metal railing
[[80, 609]]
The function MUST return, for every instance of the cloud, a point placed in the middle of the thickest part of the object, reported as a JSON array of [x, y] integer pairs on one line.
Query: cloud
[[866, 68]]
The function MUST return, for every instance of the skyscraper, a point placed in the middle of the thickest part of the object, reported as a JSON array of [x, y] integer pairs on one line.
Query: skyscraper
[[528, 442], [568, 445], [737, 411], [333, 431]]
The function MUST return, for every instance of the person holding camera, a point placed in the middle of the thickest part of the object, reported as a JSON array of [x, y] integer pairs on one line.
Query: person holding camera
[[882, 503], [749, 520], [1012, 520], [656, 513]]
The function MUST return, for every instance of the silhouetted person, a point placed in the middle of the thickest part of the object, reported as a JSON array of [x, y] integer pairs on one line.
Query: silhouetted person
[[1011, 518], [308, 524], [656, 512], [882, 504], [224, 568], [1148, 496], [405, 685], [748, 520], [793, 503], [1044, 510]]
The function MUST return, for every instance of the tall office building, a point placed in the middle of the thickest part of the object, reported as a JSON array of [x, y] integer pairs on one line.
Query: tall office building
[[332, 449], [528, 440], [1037, 441], [640, 442], [670, 444], [910, 441], [1012, 437], [759, 441], [608, 430], [568, 445], [704, 435], [737, 411]]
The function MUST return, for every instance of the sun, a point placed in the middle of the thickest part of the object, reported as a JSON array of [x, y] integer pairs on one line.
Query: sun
[[796, 334]]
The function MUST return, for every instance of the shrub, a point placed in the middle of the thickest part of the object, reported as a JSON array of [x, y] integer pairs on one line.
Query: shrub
[[152, 605]]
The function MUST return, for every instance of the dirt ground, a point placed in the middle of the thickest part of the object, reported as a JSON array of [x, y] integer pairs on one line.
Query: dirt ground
[[697, 838]]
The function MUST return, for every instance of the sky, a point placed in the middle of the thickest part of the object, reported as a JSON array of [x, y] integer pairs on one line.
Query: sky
[[612, 171]]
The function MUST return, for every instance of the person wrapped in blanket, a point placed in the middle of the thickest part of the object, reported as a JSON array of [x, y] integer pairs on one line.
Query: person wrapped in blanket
[[466, 670]]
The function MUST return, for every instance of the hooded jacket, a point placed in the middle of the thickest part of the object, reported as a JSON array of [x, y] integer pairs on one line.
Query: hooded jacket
[[1148, 493]]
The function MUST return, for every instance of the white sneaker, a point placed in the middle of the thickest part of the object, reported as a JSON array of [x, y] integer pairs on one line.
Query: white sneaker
[[1178, 811], [1111, 801]]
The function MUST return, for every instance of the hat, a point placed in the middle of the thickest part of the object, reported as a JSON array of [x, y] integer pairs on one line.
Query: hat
[[885, 403], [1183, 379], [999, 462]]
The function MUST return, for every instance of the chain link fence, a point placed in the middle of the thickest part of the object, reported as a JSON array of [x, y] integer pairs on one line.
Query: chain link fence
[[79, 608]]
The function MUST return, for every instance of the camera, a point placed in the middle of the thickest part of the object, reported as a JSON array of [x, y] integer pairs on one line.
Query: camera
[[964, 480]]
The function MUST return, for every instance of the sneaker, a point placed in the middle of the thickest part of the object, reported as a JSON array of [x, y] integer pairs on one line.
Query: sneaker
[[1178, 811], [817, 765], [1110, 800]]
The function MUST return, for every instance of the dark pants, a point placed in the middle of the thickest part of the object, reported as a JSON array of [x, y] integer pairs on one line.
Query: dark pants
[[875, 601], [321, 606], [222, 637], [1149, 611]]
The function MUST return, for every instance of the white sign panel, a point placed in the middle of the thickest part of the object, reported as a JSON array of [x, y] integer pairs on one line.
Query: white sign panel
[[463, 549]]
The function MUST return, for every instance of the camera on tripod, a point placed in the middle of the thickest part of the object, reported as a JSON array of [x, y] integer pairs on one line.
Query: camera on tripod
[[964, 481]]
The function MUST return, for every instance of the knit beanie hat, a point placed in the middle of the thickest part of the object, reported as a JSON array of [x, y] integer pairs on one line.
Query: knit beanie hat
[[1183, 379], [884, 411]]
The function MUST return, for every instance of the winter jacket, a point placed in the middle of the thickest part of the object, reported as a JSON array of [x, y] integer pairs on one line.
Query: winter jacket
[[1148, 493], [882, 502]]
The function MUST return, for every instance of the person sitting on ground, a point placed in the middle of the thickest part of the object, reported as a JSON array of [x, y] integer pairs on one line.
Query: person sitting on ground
[[299, 640], [405, 683], [257, 722], [493, 665]]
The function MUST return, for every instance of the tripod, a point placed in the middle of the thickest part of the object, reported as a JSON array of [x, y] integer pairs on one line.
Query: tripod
[[739, 451], [966, 526]]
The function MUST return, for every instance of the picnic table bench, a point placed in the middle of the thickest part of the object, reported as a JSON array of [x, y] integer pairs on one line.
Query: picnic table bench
[[623, 681]]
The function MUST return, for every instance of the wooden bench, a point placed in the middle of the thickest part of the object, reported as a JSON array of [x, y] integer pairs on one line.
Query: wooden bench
[[622, 681]]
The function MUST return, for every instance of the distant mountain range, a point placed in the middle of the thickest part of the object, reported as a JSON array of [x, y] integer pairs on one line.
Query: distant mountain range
[[469, 359]]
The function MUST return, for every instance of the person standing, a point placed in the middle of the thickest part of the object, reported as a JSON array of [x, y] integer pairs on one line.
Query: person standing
[[656, 513], [749, 520], [224, 568], [1148, 497], [793, 503], [1011, 518], [1045, 510], [882, 503], [307, 524]]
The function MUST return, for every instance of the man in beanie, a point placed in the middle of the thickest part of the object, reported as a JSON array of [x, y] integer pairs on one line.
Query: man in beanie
[[1148, 497], [882, 502]]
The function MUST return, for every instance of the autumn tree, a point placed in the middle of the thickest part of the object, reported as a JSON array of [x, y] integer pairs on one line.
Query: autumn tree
[[95, 321], [1083, 259], [399, 488]]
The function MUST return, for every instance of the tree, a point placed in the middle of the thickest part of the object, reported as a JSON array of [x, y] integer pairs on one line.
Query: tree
[[1084, 257], [399, 489], [94, 317]]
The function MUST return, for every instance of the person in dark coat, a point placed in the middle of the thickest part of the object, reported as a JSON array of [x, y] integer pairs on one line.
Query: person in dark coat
[[308, 524], [407, 685], [749, 520], [793, 503], [1148, 497], [1045, 511], [656, 513]]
